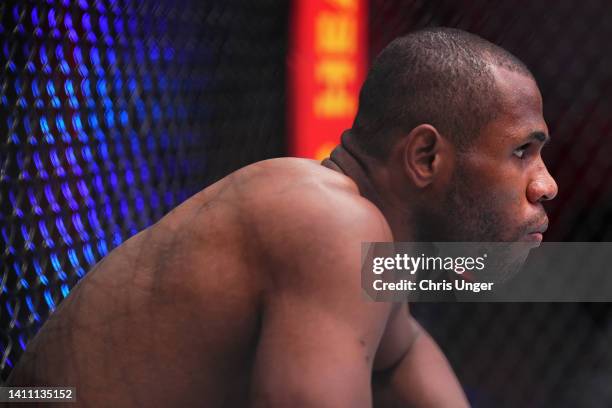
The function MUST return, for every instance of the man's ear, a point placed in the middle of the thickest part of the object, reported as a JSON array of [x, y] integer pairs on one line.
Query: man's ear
[[422, 154]]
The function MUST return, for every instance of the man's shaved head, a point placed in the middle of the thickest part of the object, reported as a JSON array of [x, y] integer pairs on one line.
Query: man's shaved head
[[439, 76]]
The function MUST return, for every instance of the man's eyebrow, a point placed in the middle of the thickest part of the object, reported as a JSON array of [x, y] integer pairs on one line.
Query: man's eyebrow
[[539, 136]]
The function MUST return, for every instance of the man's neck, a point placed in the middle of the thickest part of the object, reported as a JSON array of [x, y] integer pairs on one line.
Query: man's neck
[[371, 180], [347, 158]]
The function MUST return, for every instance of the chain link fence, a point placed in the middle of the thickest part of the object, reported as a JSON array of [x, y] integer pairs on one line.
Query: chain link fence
[[113, 112]]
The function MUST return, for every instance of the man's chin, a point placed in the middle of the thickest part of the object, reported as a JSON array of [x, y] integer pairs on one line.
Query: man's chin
[[534, 239]]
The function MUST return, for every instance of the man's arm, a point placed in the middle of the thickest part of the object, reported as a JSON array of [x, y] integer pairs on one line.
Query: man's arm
[[422, 377], [312, 354], [319, 335]]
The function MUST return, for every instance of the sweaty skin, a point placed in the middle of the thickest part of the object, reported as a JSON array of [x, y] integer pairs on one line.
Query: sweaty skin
[[247, 294]]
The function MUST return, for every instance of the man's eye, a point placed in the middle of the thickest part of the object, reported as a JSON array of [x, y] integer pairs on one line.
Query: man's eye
[[520, 152]]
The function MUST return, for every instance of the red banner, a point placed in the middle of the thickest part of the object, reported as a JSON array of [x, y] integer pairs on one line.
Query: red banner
[[327, 64]]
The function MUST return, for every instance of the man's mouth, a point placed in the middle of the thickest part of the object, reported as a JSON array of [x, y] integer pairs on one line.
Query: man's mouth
[[536, 234]]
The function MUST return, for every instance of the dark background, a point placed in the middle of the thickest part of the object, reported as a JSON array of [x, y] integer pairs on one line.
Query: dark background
[[112, 113]]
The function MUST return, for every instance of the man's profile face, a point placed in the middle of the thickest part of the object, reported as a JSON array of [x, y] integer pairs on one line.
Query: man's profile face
[[498, 186]]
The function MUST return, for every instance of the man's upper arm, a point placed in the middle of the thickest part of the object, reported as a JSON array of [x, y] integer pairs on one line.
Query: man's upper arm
[[319, 334]]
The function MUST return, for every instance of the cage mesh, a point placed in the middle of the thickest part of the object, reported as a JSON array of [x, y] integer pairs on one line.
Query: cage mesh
[[112, 113]]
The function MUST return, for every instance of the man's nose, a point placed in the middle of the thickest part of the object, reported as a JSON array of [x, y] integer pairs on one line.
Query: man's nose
[[542, 187]]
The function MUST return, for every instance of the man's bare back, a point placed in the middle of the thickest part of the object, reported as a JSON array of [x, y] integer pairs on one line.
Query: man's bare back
[[221, 299]]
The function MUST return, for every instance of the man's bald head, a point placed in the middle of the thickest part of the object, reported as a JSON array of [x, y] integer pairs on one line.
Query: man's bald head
[[439, 76]]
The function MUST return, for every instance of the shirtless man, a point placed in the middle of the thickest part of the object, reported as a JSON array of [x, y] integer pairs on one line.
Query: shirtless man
[[249, 293]]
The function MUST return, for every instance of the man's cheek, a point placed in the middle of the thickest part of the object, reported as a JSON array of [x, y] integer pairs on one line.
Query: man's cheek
[[507, 196]]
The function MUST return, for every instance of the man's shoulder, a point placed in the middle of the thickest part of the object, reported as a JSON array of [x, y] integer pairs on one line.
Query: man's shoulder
[[310, 232], [311, 202], [312, 224]]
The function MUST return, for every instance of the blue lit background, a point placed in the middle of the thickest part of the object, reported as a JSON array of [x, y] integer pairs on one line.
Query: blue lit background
[[112, 113]]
